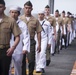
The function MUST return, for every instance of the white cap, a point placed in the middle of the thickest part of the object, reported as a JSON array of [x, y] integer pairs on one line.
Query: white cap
[[70, 15], [41, 12], [15, 8]]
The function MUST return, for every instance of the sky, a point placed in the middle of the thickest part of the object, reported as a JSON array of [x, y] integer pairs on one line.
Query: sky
[[67, 5], [37, 4]]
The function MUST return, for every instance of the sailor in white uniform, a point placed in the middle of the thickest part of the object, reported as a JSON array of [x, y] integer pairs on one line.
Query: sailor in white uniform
[[73, 31], [45, 41], [24, 44], [70, 26], [75, 25]]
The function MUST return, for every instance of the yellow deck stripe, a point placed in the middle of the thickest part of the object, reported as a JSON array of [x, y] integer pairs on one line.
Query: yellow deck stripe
[[74, 69], [28, 72]]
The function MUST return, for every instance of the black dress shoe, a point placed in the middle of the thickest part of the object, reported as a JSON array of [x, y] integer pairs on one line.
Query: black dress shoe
[[38, 71], [47, 62], [42, 70], [61, 48], [58, 52], [52, 54]]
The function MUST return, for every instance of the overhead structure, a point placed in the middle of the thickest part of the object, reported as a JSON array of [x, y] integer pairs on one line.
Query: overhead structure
[[51, 4]]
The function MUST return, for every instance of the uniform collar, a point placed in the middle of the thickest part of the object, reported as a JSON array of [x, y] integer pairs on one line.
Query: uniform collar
[[48, 17], [42, 21], [18, 21], [24, 17]]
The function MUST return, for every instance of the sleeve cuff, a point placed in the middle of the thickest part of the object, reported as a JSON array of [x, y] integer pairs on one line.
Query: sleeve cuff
[[26, 48]]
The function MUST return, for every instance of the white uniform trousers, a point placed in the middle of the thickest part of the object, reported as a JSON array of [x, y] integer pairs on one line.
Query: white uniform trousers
[[17, 61], [52, 45], [70, 40], [41, 57], [73, 34], [68, 36]]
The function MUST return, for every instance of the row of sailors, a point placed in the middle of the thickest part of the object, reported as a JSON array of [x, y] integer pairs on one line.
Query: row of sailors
[[62, 34], [55, 32], [63, 30]]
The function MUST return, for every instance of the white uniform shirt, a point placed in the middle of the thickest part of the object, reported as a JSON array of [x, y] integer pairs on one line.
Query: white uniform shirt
[[47, 30], [24, 43]]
